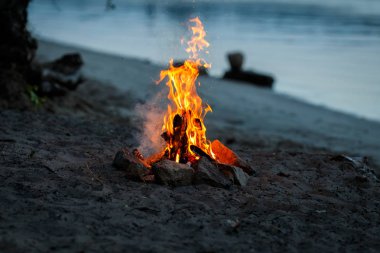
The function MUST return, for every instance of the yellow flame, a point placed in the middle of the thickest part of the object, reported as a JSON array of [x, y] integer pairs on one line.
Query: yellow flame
[[183, 95]]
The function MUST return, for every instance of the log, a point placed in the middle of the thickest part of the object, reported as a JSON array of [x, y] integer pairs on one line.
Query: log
[[179, 140], [200, 152], [227, 156], [198, 123], [155, 158]]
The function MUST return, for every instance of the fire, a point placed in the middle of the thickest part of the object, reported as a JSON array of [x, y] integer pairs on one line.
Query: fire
[[183, 127]]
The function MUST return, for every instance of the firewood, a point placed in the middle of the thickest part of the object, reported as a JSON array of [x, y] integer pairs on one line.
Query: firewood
[[227, 156], [155, 157], [198, 123], [200, 152], [140, 157], [165, 135]]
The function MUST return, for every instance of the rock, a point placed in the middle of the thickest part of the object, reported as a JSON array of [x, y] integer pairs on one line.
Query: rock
[[64, 71], [207, 172], [258, 79], [168, 172], [52, 89], [68, 64], [237, 73], [359, 164], [134, 168], [239, 176], [227, 156], [236, 60]]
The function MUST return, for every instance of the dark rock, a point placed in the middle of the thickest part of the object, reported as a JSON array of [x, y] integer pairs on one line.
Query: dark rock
[[282, 174], [236, 72], [168, 172], [236, 60], [258, 79], [359, 164], [134, 168], [239, 176], [207, 172], [64, 71], [52, 89], [68, 64]]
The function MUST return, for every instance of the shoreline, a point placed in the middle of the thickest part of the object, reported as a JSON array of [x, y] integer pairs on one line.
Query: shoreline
[[67, 46], [245, 113]]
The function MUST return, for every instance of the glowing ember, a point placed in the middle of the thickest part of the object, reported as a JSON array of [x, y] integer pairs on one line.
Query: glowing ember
[[183, 128]]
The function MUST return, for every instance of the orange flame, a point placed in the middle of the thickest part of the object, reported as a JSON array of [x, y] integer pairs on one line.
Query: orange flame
[[183, 95]]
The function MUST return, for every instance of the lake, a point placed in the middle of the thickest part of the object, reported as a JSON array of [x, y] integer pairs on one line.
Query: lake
[[323, 52]]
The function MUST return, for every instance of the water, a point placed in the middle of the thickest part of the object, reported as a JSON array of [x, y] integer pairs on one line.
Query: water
[[325, 52]]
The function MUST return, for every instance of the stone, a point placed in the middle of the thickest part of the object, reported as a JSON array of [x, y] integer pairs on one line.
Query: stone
[[239, 176], [171, 173], [208, 173], [252, 77], [65, 71], [236, 60], [134, 168], [359, 164]]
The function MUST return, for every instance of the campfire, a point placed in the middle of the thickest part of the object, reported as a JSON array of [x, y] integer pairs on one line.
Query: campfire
[[184, 130]]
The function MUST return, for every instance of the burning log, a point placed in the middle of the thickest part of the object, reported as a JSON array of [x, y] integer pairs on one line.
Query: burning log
[[155, 158], [227, 156], [200, 152], [178, 141]]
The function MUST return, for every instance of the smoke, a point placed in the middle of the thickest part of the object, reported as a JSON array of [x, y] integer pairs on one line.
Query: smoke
[[152, 114]]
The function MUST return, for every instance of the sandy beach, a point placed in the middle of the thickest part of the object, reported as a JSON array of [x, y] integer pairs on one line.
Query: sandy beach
[[248, 114], [60, 193]]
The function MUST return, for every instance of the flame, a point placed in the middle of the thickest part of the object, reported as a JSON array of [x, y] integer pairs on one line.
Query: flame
[[184, 98]]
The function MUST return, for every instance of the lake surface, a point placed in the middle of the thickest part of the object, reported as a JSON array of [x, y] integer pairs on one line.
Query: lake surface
[[324, 52]]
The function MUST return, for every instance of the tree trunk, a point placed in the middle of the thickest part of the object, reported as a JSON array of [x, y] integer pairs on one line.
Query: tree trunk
[[17, 49]]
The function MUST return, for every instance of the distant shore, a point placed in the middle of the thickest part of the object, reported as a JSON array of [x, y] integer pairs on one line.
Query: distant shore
[[247, 114]]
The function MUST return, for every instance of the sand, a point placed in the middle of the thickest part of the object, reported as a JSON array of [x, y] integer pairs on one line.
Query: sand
[[60, 193], [241, 111]]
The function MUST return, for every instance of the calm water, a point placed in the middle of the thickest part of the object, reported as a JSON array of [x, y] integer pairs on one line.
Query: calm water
[[325, 52]]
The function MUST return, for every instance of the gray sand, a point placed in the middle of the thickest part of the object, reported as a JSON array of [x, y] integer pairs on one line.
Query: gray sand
[[59, 192], [247, 113]]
